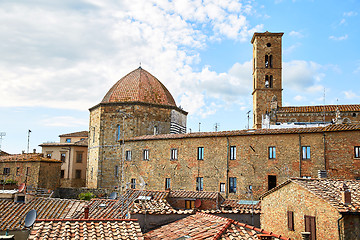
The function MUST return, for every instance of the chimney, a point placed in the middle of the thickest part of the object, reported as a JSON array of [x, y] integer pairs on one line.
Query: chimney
[[345, 194], [305, 235], [322, 174], [23, 152], [34, 150], [86, 212], [265, 237]]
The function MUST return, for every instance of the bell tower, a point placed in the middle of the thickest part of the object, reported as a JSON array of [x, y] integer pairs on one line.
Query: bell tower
[[267, 69]]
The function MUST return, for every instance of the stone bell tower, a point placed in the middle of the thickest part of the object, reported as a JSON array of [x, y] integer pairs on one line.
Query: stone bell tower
[[267, 70]]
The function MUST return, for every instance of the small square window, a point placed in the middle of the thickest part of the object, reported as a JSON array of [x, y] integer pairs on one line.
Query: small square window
[[18, 171], [174, 154], [222, 187], [68, 140], [199, 184], [233, 153], [63, 157], [6, 171], [48, 154], [357, 151], [146, 154], [200, 155], [232, 185], [272, 152]]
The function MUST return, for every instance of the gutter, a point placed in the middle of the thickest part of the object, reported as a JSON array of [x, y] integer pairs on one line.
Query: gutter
[[300, 152], [227, 167], [338, 223]]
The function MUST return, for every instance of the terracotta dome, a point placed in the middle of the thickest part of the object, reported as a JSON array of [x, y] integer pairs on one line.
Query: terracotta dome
[[139, 86]]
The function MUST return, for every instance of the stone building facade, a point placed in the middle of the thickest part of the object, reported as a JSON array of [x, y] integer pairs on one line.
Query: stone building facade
[[138, 104], [328, 209], [33, 169], [72, 151]]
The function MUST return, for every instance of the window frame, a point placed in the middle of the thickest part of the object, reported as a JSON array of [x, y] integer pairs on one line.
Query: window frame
[[173, 154], [128, 155], [232, 184], [63, 156], [357, 152], [200, 153], [290, 218], [189, 204], [49, 154], [167, 183], [79, 156], [68, 140], [222, 188], [146, 154], [116, 171], [199, 184], [133, 183], [272, 152], [232, 152], [6, 171], [78, 174], [307, 154]]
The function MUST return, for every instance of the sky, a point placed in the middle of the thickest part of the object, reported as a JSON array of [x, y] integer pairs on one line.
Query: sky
[[59, 58]]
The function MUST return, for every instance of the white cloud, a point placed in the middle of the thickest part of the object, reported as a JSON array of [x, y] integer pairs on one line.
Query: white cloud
[[299, 98], [341, 38], [66, 54], [302, 75], [65, 121], [351, 95], [350, 14], [296, 34]]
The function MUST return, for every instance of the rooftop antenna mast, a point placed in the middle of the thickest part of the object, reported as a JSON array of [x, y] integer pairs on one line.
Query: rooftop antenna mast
[[2, 134], [28, 142], [248, 117], [216, 126], [324, 106]]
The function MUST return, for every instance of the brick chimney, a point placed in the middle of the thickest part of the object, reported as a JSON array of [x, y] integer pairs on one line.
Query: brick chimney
[[34, 150], [345, 194], [86, 212], [305, 235]]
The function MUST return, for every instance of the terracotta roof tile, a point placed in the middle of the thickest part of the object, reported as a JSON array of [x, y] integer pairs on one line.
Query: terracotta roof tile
[[330, 128], [75, 134], [86, 229], [139, 86], [240, 207], [195, 194], [329, 190], [207, 226], [327, 108], [27, 157]]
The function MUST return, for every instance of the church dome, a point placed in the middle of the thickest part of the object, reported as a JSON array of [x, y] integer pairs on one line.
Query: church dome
[[139, 86]]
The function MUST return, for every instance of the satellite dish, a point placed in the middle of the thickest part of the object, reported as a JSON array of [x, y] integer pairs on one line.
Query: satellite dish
[[142, 183], [197, 203], [21, 187], [113, 195], [30, 218]]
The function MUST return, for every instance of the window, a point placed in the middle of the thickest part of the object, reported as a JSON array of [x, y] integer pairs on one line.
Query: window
[[270, 61], [357, 151], [268, 81], [199, 184], [272, 152], [79, 156], [146, 154], [62, 174], [63, 157], [116, 172], [6, 171], [310, 226], [77, 174], [133, 183], [290, 216], [48, 154], [118, 133], [167, 183], [82, 139], [305, 152], [232, 185], [271, 181], [266, 61], [68, 140], [174, 153], [233, 153], [128, 155], [27, 171], [200, 155], [268, 44], [189, 204], [222, 187], [17, 171]]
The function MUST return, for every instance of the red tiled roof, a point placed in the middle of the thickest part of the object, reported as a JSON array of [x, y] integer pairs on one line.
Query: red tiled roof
[[75, 134], [329, 128], [86, 229], [27, 157], [139, 86], [241, 208], [195, 194], [12, 212], [329, 190], [327, 108], [83, 143], [207, 226]]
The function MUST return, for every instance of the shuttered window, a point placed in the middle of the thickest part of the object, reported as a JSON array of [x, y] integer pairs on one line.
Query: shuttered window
[[310, 226], [290, 216]]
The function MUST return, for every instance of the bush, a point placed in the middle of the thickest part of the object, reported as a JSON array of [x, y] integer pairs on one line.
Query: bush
[[86, 196]]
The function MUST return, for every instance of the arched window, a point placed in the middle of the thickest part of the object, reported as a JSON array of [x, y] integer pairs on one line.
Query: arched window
[[266, 61], [267, 81]]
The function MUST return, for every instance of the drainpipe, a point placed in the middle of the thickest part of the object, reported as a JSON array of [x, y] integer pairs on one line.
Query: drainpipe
[[338, 223], [325, 168], [300, 155], [227, 167]]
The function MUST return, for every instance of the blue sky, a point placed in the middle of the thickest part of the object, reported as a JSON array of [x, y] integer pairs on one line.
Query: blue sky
[[59, 58]]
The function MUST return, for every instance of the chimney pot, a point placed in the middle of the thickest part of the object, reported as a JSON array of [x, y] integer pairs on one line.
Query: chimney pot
[[86, 212], [265, 237], [34, 150], [345, 194]]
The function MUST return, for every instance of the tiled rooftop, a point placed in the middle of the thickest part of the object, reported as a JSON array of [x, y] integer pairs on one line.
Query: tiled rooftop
[[75, 134], [47, 208], [329, 190], [86, 229], [327, 108], [27, 157], [240, 207], [329, 128], [139, 86], [207, 226], [195, 195]]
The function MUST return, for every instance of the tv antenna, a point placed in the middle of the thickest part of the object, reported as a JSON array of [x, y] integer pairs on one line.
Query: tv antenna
[[113, 195], [248, 117], [30, 218], [2, 134], [216, 126]]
